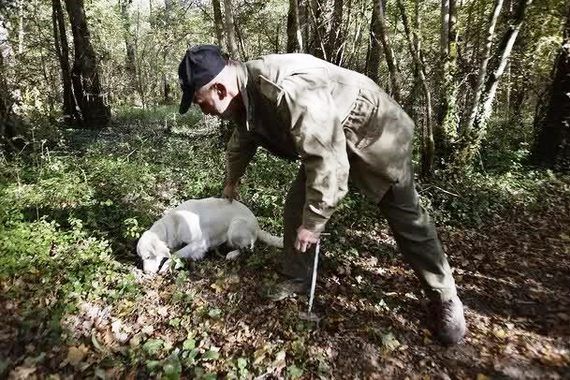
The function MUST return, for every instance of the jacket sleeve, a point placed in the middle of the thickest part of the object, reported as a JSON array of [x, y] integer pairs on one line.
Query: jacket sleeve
[[240, 150], [321, 143]]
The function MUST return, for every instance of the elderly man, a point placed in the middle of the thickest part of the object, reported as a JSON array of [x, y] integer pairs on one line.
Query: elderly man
[[341, 126]]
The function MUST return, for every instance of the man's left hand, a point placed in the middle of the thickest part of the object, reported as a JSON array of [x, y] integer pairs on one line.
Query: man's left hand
[[305, 238]]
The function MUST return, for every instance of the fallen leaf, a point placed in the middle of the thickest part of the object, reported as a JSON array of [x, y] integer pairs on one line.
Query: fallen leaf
[[22, 372], [75, 355], [390, 342]]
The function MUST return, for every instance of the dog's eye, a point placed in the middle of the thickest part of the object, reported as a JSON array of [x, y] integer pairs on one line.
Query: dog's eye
[[146, 257]]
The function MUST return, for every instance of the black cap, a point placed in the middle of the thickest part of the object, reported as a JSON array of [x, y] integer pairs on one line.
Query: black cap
[[199, 66]]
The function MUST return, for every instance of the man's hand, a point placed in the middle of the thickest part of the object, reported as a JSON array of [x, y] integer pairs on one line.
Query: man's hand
[[305, 239], [230, 191]]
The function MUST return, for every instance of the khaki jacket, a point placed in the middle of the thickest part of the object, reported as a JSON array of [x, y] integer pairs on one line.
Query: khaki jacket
[[338, 122]]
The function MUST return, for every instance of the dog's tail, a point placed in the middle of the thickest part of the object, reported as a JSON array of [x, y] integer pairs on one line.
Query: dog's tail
[[267, 238]]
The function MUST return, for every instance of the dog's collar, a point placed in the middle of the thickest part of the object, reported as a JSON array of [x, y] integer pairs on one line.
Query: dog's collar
[[242, 78], [164, 260]]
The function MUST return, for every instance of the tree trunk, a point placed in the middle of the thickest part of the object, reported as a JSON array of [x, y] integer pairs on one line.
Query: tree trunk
[[71, 113], [448, 118], [444, 36], [230, 30], [167, 96], [7, 119], [294, 36], [85, 71], [130, 50], [318, 28], [374, 49], [345, 30], [352, 57], [478, 91], [21, 32], [219, 24], [428, 148], [334, 39], [472, 139], [241, 45], [304, 24], [552, 147], [390, 60]]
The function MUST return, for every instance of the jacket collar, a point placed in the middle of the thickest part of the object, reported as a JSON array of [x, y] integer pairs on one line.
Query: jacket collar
[[243, 80]]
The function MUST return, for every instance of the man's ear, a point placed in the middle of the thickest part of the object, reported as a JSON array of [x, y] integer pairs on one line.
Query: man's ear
[[220, 90]]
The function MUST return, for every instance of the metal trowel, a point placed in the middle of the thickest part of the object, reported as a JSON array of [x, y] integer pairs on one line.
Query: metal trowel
[[309, 315]]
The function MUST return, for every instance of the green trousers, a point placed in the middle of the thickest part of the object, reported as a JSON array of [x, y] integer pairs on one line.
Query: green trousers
[[411, 225]]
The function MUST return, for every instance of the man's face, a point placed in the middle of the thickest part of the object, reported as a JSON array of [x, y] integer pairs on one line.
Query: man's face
[[213, 99], [205, 98]]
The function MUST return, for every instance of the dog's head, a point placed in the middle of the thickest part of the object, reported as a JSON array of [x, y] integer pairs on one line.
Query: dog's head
[[154, 253]]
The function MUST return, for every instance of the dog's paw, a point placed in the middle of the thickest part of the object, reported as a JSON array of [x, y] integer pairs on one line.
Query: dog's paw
[[233, 254]]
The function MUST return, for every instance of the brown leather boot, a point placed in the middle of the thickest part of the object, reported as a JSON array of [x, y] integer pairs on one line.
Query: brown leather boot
[[447, 320]]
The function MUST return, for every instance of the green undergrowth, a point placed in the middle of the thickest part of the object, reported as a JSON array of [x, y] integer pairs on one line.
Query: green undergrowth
[[72, 209]]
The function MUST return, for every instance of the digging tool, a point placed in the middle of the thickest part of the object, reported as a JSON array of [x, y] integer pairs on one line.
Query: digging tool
[[309, 315]]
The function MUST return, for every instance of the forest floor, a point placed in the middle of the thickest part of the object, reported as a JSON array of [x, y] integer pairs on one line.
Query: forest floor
[[74, 303]]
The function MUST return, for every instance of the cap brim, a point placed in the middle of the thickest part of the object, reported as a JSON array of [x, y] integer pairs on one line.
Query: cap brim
[[186, 102]]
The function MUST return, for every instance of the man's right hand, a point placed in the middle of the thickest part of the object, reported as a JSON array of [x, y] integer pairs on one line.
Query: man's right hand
[[230, 191]]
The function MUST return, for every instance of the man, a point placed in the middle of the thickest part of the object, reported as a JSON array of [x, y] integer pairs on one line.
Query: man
[[341, 125]]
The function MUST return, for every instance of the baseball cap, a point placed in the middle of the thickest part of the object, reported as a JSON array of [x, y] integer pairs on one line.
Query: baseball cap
[[199, 66]]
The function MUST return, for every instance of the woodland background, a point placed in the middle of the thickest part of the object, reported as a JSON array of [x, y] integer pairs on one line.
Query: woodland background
[[92, 151]]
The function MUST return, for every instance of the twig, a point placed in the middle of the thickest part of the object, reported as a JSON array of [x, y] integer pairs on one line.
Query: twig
[[439, 188]]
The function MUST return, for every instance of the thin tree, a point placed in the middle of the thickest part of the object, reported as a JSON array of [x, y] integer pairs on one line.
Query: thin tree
[[85, 76], [219, 23], [472, 138], [334, 43], [374, 47], [444, 34], [294, 35], [130, 50], [168, 11], [230, 29], [478, 91], [448, 118], [552, 147], [7, 118], [389, 53], [71, 111], [21, 31], [428, 148], [304, 24]]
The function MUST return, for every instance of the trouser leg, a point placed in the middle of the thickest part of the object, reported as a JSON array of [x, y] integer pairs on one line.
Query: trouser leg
[[294, 264], [416, 237]]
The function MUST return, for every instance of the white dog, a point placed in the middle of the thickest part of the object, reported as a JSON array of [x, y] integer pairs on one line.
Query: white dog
[[200, 225]]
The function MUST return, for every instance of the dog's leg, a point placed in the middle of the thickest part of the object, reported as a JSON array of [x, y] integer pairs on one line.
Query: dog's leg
[[233, 254], [192, 252]]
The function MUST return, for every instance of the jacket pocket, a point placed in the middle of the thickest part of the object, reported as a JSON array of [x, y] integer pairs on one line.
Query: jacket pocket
[[270, 90], [359, 126]]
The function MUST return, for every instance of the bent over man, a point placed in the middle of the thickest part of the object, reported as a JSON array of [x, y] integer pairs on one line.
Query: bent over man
[[341, 126]]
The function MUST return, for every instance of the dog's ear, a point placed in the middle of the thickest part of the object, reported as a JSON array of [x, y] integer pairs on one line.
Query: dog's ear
[[161, 249]]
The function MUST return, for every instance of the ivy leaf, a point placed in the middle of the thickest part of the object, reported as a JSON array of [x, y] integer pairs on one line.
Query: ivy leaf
[[242, 363], [215, 313], [189, 344], [153, 346], [211, 355], [294, 371], [172, 367]]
